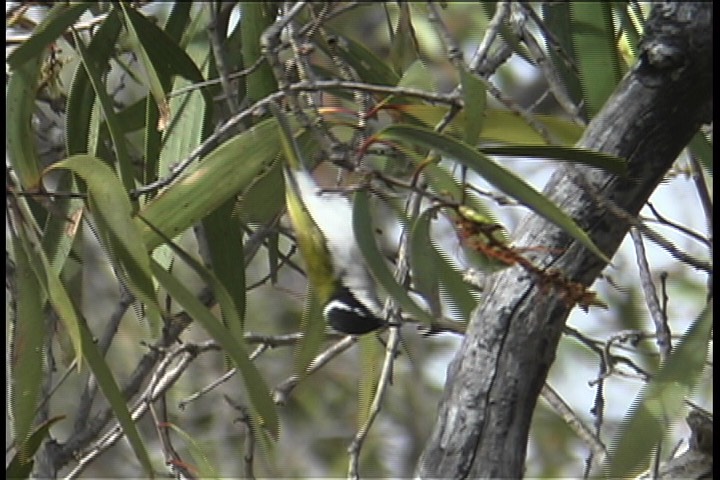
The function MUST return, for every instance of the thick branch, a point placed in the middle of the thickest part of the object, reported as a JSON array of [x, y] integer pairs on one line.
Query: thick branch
[[496, 376]]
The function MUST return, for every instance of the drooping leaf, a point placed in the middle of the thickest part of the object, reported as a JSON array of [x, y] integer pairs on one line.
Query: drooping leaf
[[21, 468], [362, 227], [661, 400], [596, 52], [112, 212], [423, 262], [57, 21], [257, 390], [255, 18], [604, 161], [474, 97], [27, 333], [208, 183], [94, 69], [504, 180]]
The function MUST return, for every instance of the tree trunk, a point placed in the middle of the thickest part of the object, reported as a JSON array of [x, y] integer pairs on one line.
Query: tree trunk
[[496, 376]]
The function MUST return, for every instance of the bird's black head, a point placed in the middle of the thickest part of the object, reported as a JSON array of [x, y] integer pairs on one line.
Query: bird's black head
[[347, 314]]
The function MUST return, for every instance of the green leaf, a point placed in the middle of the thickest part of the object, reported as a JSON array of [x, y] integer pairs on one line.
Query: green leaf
[[596, 52], [423, 262], [53, 288], [81, 96], [264, 198], [57, 21], [703, 149], [224, 236], [499, 126], [205, 467], [83, 344], [591, 158], [28, 336], [313, 329], [366, 64], [20, 135], [162, 57], [254, 19], [257, 390], [661, 400], [209, 183], [474, 97], [21, 468], [113, 215], [418, 76], [371, 360], [95, 68], [455, 288], [504, 180], [404, 45], [112, 393], [362, 227], [558, 20]]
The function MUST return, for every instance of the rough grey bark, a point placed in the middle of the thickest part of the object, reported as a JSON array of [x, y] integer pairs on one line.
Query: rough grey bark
[[496, 376]]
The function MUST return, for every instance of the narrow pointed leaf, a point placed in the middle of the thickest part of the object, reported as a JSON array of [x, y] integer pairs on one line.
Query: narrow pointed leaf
[[20, 135], [604, 161], [19, 468], [423, 262], [257, 390], [57, 21], [371, 359], [108, 385], [113, 214], [504, 180], [596, 52], [26, 355], [255, 18], [208, 183], [362, 227], [474, 97], [661, 400], [95, 68]]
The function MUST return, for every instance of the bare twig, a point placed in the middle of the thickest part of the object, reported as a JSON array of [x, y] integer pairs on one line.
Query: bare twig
[[502, 10], [283, 390], [656, 313], [557, 403]]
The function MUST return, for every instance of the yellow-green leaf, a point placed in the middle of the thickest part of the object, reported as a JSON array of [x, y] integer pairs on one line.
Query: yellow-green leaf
[[208, 183], [113, 214], [27, 333]]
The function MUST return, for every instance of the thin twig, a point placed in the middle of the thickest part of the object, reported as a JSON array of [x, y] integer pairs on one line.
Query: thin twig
[[384, 381], [661, 324], [282, 391], [573, 421], [502, 10]]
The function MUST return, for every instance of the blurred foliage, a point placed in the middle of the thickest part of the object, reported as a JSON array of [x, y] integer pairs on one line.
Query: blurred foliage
[[165, 188]]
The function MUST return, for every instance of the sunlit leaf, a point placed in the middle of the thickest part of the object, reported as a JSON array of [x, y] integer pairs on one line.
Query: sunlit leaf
[[112, 212], [207, 184], [57, 21]]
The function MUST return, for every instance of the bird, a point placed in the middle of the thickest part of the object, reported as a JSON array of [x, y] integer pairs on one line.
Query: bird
[[339, 276]]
